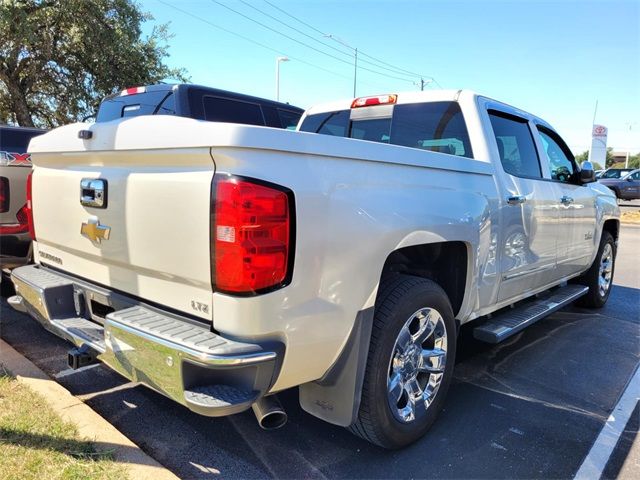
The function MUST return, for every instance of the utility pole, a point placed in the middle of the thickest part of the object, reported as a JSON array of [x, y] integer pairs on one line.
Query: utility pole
[[355, 58], [423, 83], [355, 70]]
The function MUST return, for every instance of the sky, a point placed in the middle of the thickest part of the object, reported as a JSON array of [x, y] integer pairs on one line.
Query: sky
[[554, 59]]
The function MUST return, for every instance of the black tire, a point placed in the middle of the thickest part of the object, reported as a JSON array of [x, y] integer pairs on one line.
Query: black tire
[[594, 298], [398, 299]]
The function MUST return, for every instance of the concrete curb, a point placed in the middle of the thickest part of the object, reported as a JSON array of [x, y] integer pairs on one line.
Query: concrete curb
[[90, 425]]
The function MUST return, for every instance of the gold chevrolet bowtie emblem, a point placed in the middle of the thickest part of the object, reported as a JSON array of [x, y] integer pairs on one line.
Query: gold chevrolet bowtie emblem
[[94, 231]]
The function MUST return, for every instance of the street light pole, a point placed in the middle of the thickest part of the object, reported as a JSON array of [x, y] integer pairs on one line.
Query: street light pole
[[278, 60]]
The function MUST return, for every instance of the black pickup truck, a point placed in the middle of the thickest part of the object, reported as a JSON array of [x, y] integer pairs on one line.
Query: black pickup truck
[[201, 103]]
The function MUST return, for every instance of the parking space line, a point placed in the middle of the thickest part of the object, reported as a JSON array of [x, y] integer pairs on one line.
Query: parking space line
[[597, 458], [71, 371]]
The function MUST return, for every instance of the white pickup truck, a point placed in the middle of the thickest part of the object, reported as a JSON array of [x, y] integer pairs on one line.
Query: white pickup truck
[[219, 264]]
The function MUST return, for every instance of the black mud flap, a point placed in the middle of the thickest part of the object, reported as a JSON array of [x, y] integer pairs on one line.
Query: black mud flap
[[335, 398]]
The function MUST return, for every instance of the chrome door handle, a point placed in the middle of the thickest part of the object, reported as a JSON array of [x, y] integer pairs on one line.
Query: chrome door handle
[[566, 200], [516, 200]]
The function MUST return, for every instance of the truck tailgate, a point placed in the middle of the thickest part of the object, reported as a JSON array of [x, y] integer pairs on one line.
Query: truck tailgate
[[150, 239]]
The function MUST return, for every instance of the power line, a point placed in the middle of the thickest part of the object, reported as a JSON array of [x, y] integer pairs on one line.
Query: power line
[[360, 52], [295, 29], [295, 18], [251, 40], [392, 70], [305, 44]]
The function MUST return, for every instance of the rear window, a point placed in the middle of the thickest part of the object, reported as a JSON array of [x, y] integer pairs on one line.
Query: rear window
[[16, 141], [132, 105], [434, 126], [218, 109]]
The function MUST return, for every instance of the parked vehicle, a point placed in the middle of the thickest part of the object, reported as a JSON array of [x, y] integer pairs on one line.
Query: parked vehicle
[[201, 103], [15, 165], [220, 264], [615, 173], [626, 187]]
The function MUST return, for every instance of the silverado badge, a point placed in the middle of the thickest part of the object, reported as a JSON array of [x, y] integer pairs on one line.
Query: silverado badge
[[94, 231]]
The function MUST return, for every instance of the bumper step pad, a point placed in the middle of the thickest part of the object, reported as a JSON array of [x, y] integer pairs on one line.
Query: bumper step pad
[[504, 325], [187, 335]]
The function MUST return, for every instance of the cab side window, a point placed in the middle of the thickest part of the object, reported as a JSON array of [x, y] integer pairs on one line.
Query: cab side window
[[515, 145], [561, 161]]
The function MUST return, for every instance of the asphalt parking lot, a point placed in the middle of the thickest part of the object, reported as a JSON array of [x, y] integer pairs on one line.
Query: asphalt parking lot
[[528, 408]]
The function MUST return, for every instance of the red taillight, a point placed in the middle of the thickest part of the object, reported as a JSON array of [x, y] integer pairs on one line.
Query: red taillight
[[29, 208], [251, 236], [4, 194], [21, 227], [377, 100]]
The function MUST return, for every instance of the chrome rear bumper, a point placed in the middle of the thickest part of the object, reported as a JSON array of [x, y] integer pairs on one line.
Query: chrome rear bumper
[[174, 355]]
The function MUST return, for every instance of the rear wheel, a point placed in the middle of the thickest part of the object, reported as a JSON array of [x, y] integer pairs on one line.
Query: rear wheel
[[599, 277], [410, 362]]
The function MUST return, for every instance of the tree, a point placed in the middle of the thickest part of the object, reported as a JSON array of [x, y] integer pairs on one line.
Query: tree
[[634, 161], [583, 157], [59, 58], [610, 159]]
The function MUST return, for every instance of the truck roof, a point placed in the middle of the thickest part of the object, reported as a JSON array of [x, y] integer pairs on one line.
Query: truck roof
[[166, 87]]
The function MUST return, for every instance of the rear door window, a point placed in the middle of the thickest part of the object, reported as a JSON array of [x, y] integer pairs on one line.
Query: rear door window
[[218, 109], [515, 145]]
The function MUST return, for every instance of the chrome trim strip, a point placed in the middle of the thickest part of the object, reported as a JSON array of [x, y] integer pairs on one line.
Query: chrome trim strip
[[573, 259], [527, 272]]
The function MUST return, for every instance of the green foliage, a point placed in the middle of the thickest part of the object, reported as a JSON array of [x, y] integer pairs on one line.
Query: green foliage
[[583, 157], [59, 58], [634, 161], [610, 158]]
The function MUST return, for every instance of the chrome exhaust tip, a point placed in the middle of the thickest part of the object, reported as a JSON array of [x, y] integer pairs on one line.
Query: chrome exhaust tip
[[269, 413]]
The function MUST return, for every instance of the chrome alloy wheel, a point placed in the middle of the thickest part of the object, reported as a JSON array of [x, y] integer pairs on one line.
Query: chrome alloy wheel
[[417, 365], [606, 268]]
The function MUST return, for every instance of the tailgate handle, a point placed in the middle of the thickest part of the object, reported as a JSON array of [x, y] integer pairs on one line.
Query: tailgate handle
[[93, 192]]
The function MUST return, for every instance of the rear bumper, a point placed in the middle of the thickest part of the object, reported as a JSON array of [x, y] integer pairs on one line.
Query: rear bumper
[[176, 356]]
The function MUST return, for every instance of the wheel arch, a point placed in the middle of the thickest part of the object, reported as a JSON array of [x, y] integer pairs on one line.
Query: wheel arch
[[445, 263], [613, 227]]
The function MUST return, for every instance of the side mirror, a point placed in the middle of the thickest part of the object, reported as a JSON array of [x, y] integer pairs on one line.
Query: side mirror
[[629, 178], [587, 173]]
